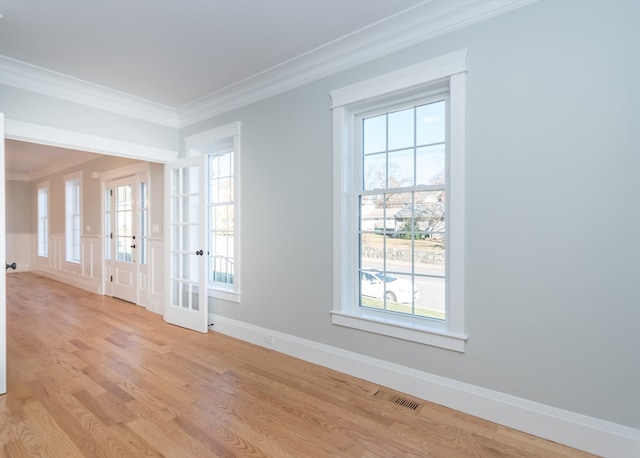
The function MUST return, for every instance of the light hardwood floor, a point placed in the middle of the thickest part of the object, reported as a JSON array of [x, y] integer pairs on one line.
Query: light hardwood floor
[[92, 376]]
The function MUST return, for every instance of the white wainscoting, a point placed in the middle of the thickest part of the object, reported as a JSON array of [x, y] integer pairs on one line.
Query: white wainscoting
[[19, 251], [86, 275]]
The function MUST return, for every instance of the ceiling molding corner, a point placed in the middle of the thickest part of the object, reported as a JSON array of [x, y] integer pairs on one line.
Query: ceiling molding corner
[[412, 27], [9, 176], [40, 80]]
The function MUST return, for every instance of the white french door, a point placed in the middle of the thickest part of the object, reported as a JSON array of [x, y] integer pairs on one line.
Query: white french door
[[122, 245], [186, 289]]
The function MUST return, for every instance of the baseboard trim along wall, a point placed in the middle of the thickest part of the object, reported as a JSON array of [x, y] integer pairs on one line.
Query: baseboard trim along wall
[[586, 433]]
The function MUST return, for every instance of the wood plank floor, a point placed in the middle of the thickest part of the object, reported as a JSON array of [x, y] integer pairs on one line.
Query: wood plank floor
[[92, 376]]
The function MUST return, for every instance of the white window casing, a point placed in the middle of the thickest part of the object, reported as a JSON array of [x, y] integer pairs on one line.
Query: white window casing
[[213, 143], [73, 216], [443, 74], [43, 219]]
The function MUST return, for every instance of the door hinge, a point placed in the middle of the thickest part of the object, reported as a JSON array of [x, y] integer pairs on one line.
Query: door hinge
[[110, 192], [111, 236], [111, 278]]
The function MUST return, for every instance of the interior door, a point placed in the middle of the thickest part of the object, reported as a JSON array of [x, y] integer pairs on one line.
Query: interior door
[[124, 244], [3, 289], [186, 289]]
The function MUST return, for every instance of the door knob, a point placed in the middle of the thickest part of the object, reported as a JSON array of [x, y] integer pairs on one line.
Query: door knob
[[199, 252], [133, 246]]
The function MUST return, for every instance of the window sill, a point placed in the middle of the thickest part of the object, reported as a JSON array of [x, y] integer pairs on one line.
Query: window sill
[[404, 331], [230, 296]]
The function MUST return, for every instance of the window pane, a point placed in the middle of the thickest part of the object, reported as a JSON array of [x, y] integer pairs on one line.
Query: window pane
[[400, 169], [431, 123], [193, 180], [430, 209], [175, 209], [399, 207], [374, 170], [431, 301], [175, 236], [374, 134], [184, 209], [399, 292], [401, 129], [175, 293], [371, 290], [194, 208], [430, 165]]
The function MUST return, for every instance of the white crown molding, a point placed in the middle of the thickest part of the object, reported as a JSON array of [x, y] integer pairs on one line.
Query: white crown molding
[[411, 27], [586, 433], [59, 167], [416, 25], [17, 176], [40, 80]]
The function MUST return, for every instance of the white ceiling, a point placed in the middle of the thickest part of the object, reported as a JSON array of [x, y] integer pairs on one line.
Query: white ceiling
[[170, 52], [173, 58], [175, 51]]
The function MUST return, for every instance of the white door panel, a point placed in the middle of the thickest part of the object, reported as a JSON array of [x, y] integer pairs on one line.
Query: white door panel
[[124, 244], [186, 289]]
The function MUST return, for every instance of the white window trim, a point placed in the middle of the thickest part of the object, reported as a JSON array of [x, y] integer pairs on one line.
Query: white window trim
[[67, 178], [45, 186], [194, 144], [347, 101]]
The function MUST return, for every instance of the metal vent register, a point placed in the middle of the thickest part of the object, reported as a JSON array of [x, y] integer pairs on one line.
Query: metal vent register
[[401, 401]]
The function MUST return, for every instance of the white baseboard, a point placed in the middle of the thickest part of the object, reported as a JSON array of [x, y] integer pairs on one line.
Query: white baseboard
[[73, 280], [586, 433]]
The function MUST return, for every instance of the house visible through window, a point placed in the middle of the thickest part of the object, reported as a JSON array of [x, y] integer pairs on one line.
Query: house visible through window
[[43, 220], [73, 217], [399, 145]]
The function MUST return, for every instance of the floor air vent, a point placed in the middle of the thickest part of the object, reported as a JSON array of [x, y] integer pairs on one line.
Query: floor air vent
[[404, 402]]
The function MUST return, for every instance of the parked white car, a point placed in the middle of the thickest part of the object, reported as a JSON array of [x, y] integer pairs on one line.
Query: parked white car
[[379, 285]]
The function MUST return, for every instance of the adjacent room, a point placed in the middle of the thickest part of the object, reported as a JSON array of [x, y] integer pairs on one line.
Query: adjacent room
[[320, 228]]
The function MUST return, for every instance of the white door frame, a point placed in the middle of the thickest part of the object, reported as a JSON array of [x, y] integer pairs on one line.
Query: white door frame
[[138, 173], [185, 216], [124, 275], [62, 138], [3, 276]]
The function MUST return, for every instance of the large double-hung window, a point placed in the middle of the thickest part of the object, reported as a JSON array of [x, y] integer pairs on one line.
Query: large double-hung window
[[220, 148], [399, 203], [43, 219], [73, 191]]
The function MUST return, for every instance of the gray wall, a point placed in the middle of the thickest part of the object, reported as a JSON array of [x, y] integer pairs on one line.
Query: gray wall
[[20, 105], [18, 207], [552, 260]]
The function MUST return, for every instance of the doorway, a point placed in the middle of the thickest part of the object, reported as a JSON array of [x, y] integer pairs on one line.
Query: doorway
[[125, 236]]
